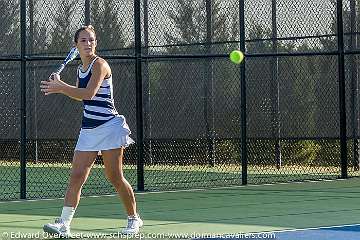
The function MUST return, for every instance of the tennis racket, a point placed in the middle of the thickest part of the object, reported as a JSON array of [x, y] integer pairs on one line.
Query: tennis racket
[[73, 53]]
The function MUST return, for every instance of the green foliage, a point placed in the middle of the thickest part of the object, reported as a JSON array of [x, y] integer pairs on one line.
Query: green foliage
[[228, 151], [189, 20], [306, 152], [329, 153], [330, 43], [38, 34], [39, 38], [257, 32], [186, 84], [62, 34], [10, 27], [108, 25]]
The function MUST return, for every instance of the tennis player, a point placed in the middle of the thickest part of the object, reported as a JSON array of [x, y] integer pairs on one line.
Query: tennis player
[[103, 129]]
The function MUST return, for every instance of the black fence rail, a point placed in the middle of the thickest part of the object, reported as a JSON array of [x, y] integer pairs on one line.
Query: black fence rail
[[290, 112]]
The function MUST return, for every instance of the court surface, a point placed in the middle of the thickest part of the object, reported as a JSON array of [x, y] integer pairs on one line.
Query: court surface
[[309, 210]]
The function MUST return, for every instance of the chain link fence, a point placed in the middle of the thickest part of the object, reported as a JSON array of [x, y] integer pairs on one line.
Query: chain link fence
[[181, 95]]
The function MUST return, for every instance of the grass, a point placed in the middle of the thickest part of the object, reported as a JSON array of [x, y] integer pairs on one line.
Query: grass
[[49, 180]]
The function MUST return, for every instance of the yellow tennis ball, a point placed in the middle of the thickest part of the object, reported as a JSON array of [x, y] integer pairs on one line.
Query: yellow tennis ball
[[237, 56]]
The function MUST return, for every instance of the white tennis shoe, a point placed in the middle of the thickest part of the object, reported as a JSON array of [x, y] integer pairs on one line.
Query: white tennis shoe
[[58, 228], [133, 226]]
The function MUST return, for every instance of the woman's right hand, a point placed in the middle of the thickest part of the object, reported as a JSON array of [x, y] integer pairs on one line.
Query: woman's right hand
[[52, 85]]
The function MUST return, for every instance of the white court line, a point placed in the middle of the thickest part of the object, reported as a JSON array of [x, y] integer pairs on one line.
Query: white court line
[[312, 228], [182, 190]]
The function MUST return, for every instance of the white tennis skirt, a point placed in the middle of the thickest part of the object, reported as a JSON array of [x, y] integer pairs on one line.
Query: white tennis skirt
[[110, 135]]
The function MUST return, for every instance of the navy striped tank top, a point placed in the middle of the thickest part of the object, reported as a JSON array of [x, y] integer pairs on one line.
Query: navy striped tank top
[[100, 108]]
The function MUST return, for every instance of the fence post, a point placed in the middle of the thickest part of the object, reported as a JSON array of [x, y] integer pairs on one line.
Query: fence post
[[354, 86], [342, 98], [209, 89], [146, 86], [275, 92], [244, 160], [139, 97], [23, 100], [87, 12]]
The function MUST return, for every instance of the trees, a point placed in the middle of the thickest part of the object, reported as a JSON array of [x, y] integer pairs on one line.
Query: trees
[[10, 27], [182, 85], [303, 81], [190, 25], [188, 88], [37, 35], [108, 26], [62, 32]]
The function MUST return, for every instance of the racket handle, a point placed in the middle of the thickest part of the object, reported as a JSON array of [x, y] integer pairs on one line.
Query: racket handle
[[59, 70]]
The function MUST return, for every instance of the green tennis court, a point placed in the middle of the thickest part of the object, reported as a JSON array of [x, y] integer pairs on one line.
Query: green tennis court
[[198, 213]]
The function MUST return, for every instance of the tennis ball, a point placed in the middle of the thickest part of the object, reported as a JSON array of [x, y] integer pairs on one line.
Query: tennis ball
[[236, 56]]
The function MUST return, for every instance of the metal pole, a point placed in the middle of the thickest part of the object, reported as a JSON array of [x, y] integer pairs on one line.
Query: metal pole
[[23, 100], [354, 86], [139, 97], [32, 116], [209, 89], [244, 160], [342, 97], [87, 12], [146, 80], [275, 90]]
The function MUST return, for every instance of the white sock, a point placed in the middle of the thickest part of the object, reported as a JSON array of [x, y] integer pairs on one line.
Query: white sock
[[134, 216], [67, 214]]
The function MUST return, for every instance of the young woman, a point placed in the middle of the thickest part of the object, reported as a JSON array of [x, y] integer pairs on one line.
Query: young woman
[[103, 129]]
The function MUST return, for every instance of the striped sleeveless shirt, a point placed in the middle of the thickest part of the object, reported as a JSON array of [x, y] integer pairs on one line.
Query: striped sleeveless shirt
[[100, 108]]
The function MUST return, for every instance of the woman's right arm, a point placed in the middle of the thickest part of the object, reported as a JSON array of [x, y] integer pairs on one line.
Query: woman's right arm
[[77, 85]]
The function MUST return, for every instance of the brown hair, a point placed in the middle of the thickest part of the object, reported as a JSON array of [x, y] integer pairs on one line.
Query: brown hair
[[88, 27]]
